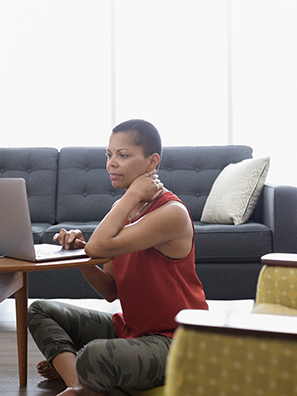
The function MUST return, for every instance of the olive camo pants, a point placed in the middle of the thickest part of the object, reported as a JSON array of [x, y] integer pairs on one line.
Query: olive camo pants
[[104, 361]]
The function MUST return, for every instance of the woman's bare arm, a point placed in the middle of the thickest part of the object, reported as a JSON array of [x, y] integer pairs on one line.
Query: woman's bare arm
[[168, 228], [101, 280]]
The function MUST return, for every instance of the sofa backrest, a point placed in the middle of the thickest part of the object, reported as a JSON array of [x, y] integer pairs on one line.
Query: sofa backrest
[[85, 192], [190, 172], [73, 185], [38, 166]]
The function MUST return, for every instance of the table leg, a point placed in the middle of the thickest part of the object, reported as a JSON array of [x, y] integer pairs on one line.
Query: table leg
[[21, 301]]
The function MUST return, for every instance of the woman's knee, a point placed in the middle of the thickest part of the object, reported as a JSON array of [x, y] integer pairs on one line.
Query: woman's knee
[[39, 306], [38, 311], [34, 309], [91, 366]]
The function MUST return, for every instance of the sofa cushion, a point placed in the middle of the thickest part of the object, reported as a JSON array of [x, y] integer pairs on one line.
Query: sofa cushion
[[223, 243], [85, 192], [38, 230], [235, 192], [38, 166], [190, 172], [87, 229]]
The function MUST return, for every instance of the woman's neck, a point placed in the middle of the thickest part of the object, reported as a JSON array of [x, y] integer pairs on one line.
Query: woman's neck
[[143, 206]]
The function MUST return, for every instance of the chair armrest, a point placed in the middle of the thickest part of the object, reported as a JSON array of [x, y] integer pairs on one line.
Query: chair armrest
[[236, 322], [280, 259], [278, 210]]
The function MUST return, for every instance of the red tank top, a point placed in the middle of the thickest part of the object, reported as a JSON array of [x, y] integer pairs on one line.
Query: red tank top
[[153, 288]]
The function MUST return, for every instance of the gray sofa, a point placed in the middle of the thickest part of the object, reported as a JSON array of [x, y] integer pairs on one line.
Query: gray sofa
[[71, 188]]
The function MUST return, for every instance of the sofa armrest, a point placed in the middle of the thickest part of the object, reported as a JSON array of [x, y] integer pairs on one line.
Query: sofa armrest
[[278, 211]]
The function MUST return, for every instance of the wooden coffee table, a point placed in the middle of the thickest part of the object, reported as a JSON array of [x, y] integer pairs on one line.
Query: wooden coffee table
[[14, 279]]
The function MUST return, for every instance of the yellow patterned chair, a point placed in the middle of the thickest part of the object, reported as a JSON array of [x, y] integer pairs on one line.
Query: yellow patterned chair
[[277, 285], [241, 354]]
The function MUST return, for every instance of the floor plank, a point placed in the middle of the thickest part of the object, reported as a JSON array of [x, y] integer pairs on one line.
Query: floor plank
[[9, 378]]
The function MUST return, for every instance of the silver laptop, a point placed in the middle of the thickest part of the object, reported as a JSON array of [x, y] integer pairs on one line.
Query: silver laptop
[[16, 238]]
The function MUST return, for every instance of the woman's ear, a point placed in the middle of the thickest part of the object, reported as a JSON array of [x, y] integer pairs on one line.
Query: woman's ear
[[154, 161]]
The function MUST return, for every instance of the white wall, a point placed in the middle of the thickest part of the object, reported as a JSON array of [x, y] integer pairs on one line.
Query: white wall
[[71, 69]]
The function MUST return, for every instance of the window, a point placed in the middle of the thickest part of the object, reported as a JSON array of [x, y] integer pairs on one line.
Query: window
[[198, 70]]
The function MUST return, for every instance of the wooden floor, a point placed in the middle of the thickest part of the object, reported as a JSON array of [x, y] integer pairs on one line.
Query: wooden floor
[[9, 379]]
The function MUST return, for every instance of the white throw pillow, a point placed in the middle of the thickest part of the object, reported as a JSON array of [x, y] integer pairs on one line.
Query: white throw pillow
[[235, 192]]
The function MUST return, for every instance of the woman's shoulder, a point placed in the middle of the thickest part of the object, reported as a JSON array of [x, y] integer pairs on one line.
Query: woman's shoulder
[[168, 200], [168, 196]]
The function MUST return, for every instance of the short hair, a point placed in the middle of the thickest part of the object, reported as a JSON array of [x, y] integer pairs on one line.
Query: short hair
[[145, 135]]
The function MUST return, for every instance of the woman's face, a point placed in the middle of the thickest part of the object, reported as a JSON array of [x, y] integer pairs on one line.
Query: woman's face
[[125, 161]]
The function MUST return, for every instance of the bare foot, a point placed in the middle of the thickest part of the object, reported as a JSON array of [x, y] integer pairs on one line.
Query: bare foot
[[80, 391], [47, 371]]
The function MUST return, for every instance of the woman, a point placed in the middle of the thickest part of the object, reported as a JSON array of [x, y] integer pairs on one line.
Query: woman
[[150, 234]]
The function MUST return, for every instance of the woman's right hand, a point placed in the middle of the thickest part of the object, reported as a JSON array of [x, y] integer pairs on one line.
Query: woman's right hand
[[72, 239]]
